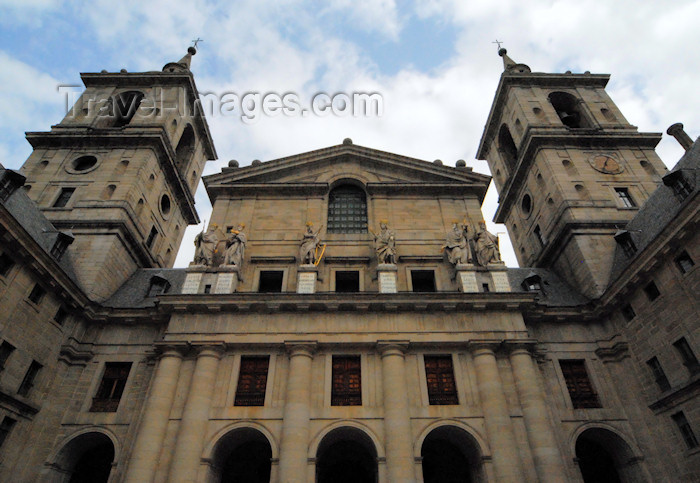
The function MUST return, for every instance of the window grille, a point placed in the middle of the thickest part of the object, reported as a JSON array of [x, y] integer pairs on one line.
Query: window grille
[[578, 384], [440, 377], [111, 387], [347, 210], [347, 381], [252, 381]]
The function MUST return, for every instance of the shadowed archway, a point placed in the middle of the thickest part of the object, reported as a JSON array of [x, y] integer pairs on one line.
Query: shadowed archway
[[451, 455], [346, 455]]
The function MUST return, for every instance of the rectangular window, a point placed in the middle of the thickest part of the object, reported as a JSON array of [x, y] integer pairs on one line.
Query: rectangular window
[[60, 316], [578, 384], [151, 237], [346, 388], [347, 281], [625, 198], [29, 377], [6, 349], [423, 280], [627, 245], [684, 262], [686, 431], [687, 355], [5, 428], [252, 381], [681, 187], [63, 197], [659, 374], [652, 291], [485, 287], [440, 377], [270, 281], [207, 288], [628, 312], [36, 294], [111, 388], [6, 263]]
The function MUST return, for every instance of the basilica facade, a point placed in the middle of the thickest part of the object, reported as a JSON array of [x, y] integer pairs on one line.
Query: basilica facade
[[347, 316]]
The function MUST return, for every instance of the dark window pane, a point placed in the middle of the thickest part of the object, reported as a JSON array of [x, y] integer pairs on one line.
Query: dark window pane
[[439, 375], [111, 387], [578, 384], [252, 381], [346, 387]]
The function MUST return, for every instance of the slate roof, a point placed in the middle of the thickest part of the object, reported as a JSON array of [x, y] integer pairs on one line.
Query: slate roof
[[555, 291], [28, 215], [133, 293], [658, 211]]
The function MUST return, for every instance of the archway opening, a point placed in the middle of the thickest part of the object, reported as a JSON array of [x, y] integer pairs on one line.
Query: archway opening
[[86, 459], [185, 148], [346, 455], [507, 148], [604, 457], [243, 455], [450, 455]]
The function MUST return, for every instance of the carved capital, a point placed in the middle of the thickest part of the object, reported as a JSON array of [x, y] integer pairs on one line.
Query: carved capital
[[305, 348], [392, 347]]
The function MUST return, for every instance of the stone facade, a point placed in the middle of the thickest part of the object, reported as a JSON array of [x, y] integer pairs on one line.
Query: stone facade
[[418, 370]]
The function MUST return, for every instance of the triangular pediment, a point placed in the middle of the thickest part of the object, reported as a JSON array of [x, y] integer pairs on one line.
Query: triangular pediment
[[323, 167]]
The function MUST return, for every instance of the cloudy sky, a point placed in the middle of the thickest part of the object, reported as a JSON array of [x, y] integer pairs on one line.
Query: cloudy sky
[[432, 61]]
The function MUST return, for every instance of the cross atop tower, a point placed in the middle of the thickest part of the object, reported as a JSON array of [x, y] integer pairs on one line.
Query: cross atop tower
[[196, 41]]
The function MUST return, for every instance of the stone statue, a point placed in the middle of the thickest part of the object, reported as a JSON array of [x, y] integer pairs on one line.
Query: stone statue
[[309, 244], [205, 244], [486, 246], [235, 246], [385, 243], [457, 244]]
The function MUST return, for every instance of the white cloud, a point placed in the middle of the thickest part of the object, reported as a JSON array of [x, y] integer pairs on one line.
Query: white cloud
[[290, 46]]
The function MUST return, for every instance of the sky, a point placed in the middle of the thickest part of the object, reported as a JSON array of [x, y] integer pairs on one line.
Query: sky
[[433, 62]]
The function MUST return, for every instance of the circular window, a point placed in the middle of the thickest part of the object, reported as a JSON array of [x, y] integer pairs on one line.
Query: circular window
[[526, 204], [165, 204], [83, 164]]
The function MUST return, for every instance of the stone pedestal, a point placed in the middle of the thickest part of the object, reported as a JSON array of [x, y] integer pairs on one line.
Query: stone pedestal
[[499, 275], [226, 280], [193, 279], [386, 273], [306, 278], [466, 278], [221, 280]]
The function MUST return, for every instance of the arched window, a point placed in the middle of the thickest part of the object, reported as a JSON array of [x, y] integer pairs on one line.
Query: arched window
[[125, 106], [185, 148], [506, 146], [568, 110], [347, 210]]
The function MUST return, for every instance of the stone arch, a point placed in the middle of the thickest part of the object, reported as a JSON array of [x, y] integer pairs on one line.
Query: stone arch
[[240, 442], [507, 148], [568, 108], [91, 445], [605, 454], [347, 452], [185, 148], [455, 440], [313, 447]]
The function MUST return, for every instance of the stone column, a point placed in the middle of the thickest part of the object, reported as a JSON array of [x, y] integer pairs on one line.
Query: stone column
[[540, 434], [397, 420], [195, 416], [506, 460], [295, 428], [151, 433]]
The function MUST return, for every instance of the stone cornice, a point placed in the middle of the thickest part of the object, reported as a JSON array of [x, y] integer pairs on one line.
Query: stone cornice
[[155, 138], [539, 79], [156, 78], [537, 138], [347, 302], [23, 406]]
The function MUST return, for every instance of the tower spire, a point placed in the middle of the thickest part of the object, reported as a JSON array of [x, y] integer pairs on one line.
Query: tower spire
[[510, 66], [182, 65]]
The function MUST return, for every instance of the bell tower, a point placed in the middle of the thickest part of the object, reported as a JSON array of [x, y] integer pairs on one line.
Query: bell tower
[[569, 169], [120, 171]]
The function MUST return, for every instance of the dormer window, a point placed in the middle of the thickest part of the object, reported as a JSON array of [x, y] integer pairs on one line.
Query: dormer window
[[680, 183], [532, 283], [159, 286], [624, 239], [9, 182], [61, 244]]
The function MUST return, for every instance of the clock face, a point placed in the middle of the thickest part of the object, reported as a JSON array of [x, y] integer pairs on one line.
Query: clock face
[[605, 164]]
